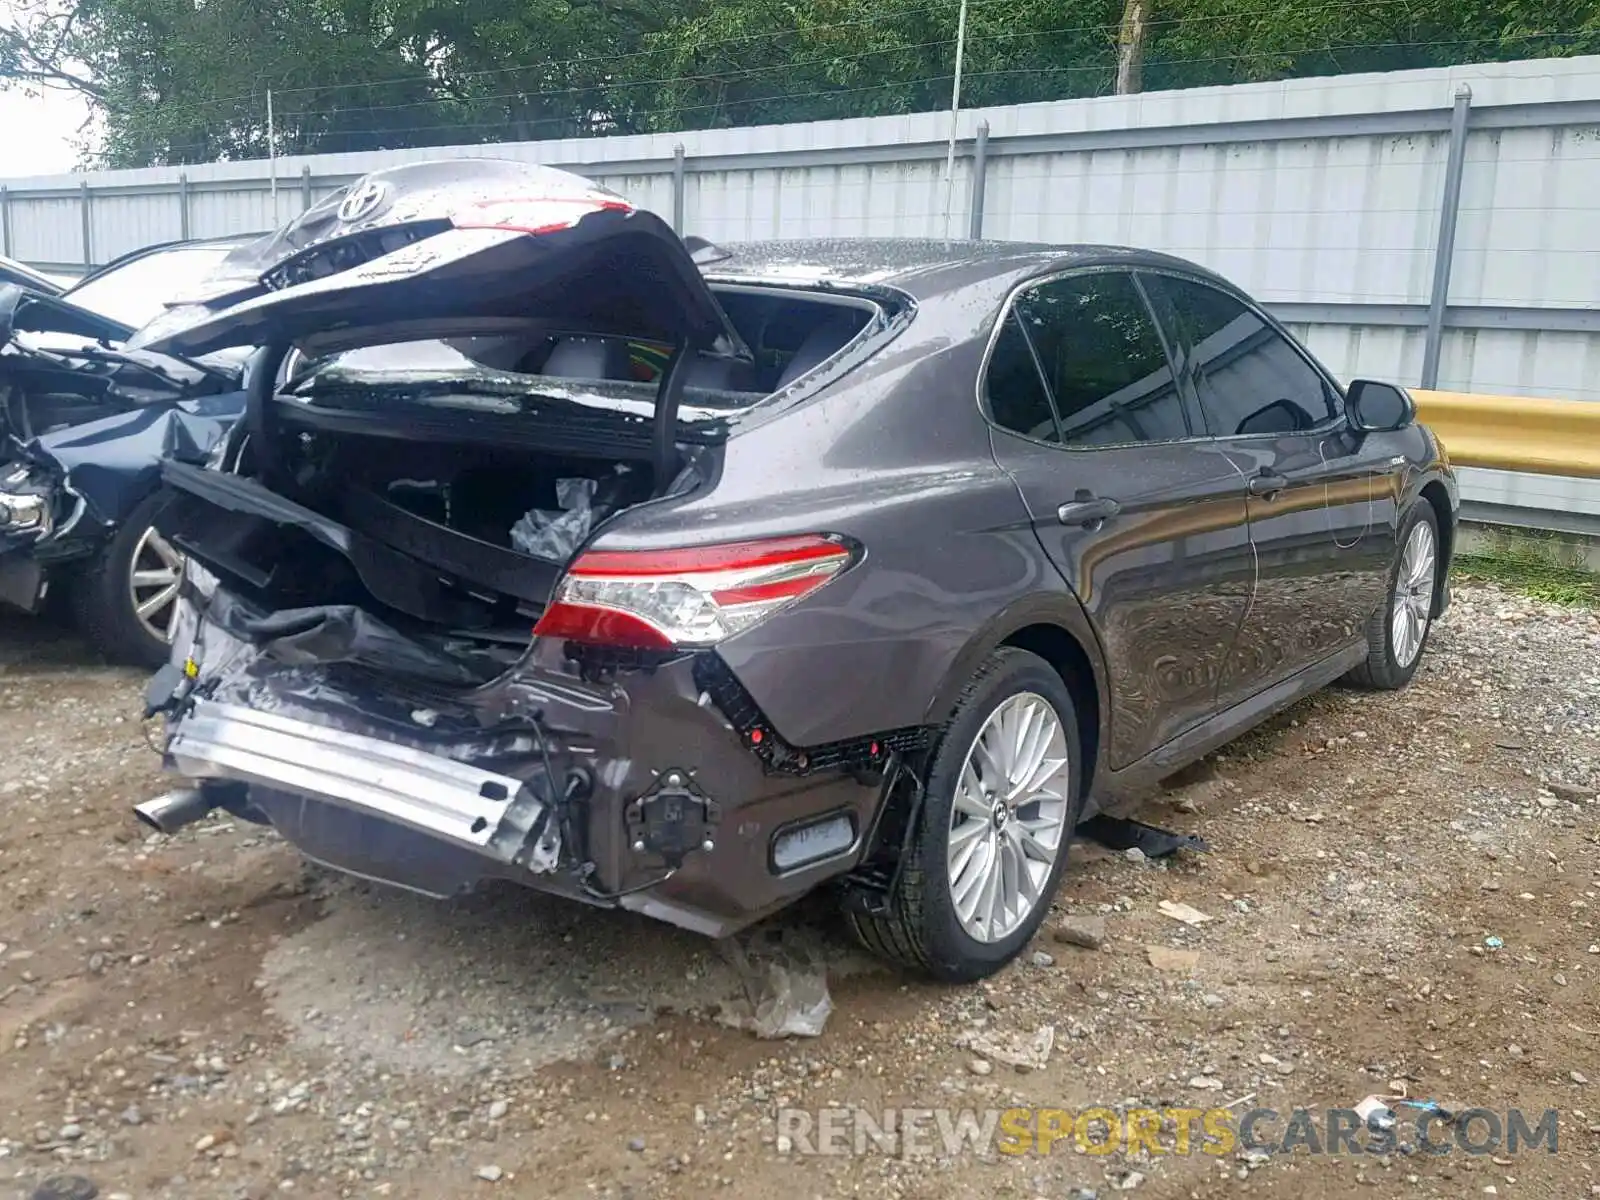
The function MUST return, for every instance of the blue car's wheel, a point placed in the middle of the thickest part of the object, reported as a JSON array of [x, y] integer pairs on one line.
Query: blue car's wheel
[[125, 600]]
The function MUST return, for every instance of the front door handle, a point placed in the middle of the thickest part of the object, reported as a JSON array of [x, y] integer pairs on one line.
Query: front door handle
[[1088, 511], [1267, 484]]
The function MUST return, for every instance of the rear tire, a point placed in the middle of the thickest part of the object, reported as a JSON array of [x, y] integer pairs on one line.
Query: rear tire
[[1397, 634], [975, 887], [135, 569]]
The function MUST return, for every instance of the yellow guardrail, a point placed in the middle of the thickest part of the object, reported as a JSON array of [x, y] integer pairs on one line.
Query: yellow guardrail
[[1515, 433]]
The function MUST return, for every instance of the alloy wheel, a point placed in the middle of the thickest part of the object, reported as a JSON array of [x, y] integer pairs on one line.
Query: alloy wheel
[[1413, 594], [153, 578], [1008, 821]]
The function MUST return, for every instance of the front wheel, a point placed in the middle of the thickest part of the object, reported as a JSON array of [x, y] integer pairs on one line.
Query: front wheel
[[1398, 631], [126, 599], [999, 807]]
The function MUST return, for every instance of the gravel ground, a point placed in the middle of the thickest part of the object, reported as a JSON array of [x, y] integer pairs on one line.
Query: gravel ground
[[1403, 891]]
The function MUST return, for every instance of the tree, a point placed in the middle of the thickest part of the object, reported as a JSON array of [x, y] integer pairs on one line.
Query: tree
[[1130, 46], [186, 80]]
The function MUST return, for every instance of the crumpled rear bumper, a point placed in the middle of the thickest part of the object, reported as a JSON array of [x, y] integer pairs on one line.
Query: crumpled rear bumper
[[537, 778], [484, 811]]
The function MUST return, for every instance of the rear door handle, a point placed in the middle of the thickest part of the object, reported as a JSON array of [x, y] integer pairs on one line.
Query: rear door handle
[[1267, 484], [1088, 512]]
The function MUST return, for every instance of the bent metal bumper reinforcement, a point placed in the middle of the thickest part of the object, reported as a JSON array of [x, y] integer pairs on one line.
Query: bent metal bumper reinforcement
[[495, 815]]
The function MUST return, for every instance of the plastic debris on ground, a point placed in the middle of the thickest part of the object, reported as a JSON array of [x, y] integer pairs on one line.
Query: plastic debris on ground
[[1375, 1113], [1028, 1052], [1183, 912], [1120, 833], [556, 535], [782, 999]]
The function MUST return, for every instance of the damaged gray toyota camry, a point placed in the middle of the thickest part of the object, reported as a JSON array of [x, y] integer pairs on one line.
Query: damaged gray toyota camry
[[553, 548]]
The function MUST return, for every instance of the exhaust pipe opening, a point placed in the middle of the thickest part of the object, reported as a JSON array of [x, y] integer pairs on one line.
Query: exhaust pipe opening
[[169, 813]]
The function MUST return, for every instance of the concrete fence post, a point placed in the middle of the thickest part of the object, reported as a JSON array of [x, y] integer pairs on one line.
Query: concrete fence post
[[5, 222], [305, 187], [1445, 249], [183, 206], [980, 171], [88, 224], [679, 168]]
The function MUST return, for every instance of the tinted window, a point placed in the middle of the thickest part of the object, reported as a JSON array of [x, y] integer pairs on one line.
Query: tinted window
[[1104, 361], [1251, 379], [1017, 399]]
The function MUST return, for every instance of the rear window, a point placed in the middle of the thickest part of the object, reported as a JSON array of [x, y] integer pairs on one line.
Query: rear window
[[788, 336]]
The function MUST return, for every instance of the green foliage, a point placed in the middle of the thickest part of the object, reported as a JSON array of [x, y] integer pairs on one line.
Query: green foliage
[[1568, 586], [186, 80], [1543, 564]]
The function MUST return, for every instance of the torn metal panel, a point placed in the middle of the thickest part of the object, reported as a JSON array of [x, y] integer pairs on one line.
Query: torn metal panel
[[115, 462]]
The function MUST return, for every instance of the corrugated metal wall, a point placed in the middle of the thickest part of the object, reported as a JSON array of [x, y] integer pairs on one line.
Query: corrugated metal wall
[[1320, 196], [1316, 195]]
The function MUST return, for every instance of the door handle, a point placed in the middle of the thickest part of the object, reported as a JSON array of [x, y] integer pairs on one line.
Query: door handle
[[1267, 484], [1088, 512]]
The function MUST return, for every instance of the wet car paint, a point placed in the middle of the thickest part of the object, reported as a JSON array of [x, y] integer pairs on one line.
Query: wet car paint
[[962, 553]]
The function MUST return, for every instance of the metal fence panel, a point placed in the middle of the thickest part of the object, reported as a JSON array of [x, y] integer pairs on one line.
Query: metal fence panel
[[1528, 228], [46, 229], [1324, 197]]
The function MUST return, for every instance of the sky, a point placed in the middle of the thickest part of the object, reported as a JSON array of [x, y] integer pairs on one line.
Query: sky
[[39, 133]]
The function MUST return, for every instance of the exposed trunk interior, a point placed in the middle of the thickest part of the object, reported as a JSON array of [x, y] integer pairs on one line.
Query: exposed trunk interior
[[441, 487]]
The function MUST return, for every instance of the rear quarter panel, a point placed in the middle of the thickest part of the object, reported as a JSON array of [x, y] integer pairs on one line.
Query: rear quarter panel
[[897, 458]]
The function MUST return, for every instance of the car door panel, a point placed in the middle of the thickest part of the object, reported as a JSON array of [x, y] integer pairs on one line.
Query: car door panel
[[1146, 524], [1322, 556], [1321, 546]]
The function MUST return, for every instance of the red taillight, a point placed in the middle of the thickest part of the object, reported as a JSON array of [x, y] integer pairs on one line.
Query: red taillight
[[690, 597]]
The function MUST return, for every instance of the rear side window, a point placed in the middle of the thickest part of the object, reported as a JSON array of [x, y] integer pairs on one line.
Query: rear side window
[[1017, 399], [1250, 378], [1103, 361]]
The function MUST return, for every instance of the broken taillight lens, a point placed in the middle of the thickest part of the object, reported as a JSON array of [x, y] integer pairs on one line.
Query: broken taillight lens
[[692, 597]]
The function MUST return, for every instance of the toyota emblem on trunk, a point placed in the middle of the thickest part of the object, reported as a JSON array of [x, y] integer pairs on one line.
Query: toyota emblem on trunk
[[362, 201]]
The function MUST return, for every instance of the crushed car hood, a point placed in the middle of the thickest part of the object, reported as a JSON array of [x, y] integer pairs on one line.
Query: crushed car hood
[[572, 256], [61, 365], [115, 462], [23, 310]]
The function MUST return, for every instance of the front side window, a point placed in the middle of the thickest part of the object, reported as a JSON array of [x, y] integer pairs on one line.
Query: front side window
[[1250, 378], [1102, 359]]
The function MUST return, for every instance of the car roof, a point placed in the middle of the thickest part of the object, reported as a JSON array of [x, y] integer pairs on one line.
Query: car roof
[[921, 267]]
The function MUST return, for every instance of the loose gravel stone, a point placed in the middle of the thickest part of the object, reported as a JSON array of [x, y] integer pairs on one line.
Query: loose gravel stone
[[1086, 931]]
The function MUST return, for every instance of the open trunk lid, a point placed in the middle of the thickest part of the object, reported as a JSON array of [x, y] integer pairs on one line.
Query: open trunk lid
[[574, 257]]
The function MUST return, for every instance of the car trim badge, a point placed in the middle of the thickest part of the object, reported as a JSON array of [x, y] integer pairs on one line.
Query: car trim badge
[[363, 201]]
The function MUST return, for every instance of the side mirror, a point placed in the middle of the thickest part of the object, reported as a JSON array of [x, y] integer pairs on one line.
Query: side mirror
[[1374, 407]]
